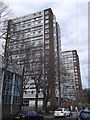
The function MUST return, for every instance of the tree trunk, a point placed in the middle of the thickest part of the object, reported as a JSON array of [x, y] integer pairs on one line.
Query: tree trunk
[[45, 103], [36, 101]]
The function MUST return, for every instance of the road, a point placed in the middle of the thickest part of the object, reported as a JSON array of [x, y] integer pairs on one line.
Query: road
[[61, 119], [68, 118], [73, 117]]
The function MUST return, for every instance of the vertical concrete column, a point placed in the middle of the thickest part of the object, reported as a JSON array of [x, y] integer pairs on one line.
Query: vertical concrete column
[[11, 108]]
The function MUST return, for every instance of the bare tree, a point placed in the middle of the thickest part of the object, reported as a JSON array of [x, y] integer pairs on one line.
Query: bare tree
[[31, 66], [5, 14], [35, 68]]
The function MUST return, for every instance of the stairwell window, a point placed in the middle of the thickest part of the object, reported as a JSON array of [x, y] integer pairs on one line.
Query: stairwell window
[[46, 21], [46, 26], [47, 46], [47, 36], [47, 41], [47, 31], [46, 17], [46, 12]]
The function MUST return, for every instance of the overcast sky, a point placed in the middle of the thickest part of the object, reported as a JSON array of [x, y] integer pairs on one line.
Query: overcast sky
[[72, 17]]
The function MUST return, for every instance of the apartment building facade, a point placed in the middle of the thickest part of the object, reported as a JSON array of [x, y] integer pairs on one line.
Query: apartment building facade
[[33, 42], [72, 86]]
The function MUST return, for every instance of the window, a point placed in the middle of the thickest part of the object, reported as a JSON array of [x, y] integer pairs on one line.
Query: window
[[47, 26], [39, 13], [39, 21], [37, 18], [29, 24], [34, 32], [75, 61], [74, 58], [47, 53], [47, 46], [46, 21], [46, 12], [47, 36], [39, 31], [76, 73], [25, 92], [33, 23], [47, 31], [76, 76], [23, 25], [46, 17], [34, 14], [32, 92], [47, 41]]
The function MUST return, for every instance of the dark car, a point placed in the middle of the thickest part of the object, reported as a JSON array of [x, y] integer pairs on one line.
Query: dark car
[[29, 115], [84, 115]]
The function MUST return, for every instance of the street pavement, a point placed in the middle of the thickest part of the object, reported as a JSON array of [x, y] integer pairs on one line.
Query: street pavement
[[60, 119], [51, 117]]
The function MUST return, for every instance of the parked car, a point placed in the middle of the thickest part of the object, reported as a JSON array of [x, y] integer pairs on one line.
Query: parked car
[[62, 112], [84, 115], [28, 115]]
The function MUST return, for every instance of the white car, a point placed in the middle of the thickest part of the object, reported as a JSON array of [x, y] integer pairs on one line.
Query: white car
[[62, 112]]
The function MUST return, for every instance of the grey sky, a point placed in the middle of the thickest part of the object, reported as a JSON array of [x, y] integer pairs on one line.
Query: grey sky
[[72, 17]]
